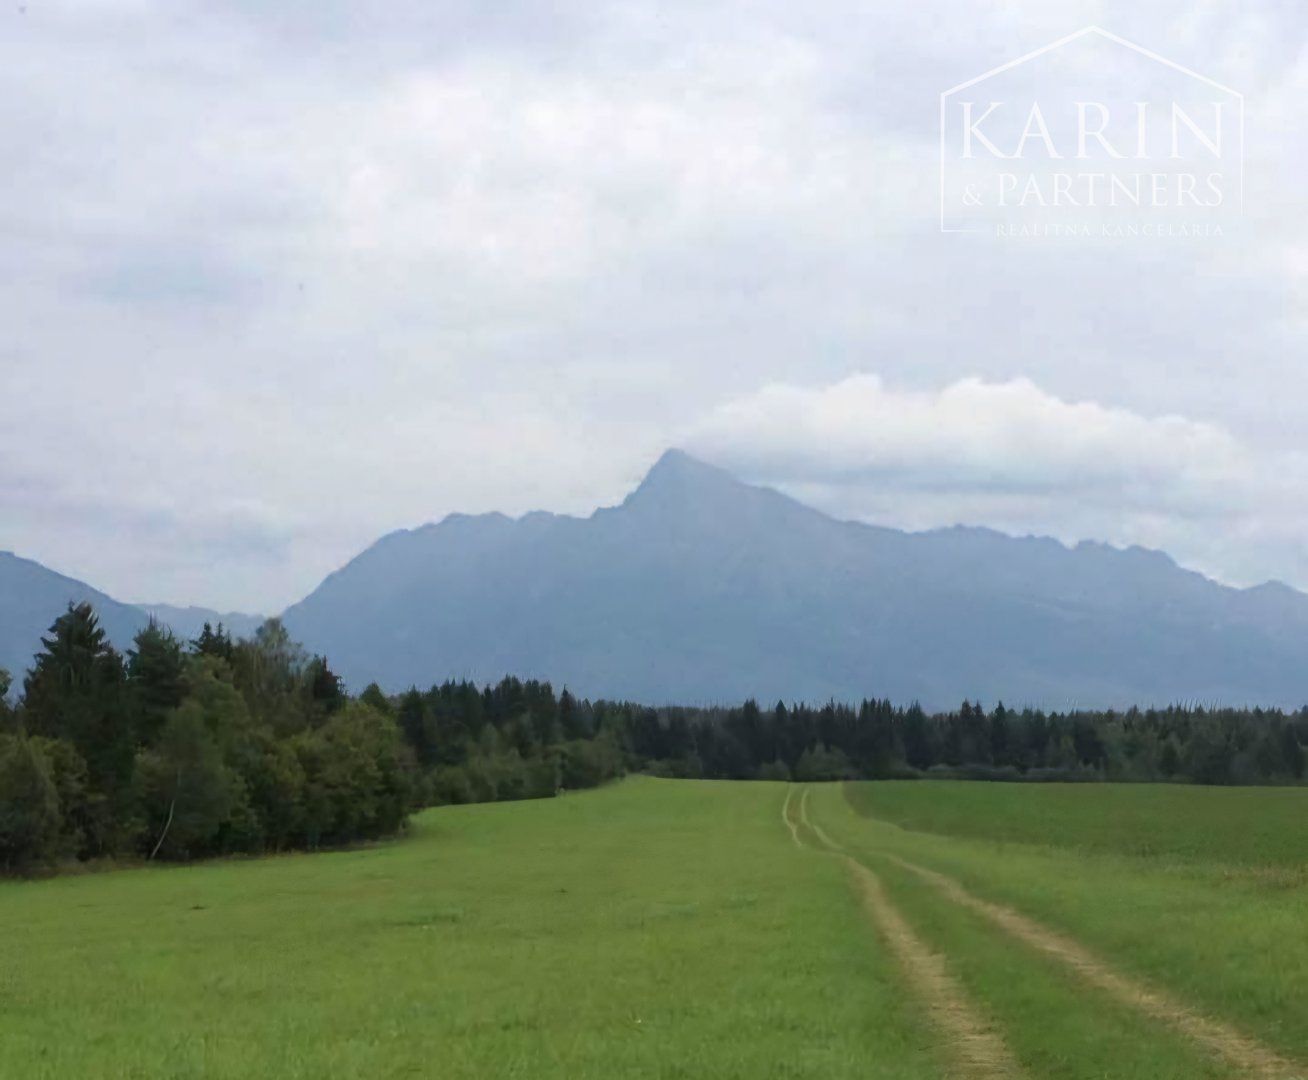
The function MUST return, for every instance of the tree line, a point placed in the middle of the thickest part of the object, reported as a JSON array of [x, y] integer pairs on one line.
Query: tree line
[[182, 750], [879, 740]]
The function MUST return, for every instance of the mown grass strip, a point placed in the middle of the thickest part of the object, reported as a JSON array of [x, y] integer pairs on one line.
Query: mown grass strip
[[1242, 1052], [1055, 1025], [971, 1042], [653, 929], [1207, 943], [971, 1045]]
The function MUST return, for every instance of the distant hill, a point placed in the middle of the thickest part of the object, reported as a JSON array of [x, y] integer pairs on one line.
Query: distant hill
[[32, 596], [187, 622], [700, 588]]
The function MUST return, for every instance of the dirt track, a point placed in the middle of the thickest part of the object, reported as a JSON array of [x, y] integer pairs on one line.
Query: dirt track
[[1246, 1054], [975, 1045]]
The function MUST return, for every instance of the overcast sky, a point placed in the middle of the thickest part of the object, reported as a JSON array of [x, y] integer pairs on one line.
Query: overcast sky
[[278, 283]]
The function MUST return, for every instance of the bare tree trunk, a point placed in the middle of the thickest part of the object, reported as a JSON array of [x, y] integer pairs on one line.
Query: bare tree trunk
[[168, 824]]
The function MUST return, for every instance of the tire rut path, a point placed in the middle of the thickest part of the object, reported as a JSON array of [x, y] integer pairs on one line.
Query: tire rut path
[[975, 1048], [1244, 1053]]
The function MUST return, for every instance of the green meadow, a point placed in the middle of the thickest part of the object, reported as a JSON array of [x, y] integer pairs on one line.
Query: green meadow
[[661, 928], [1245, 826], [648, 929], [1201, 892]]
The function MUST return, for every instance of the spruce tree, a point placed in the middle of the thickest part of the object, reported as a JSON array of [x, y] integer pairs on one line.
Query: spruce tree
[[156, 674], [77, 690]]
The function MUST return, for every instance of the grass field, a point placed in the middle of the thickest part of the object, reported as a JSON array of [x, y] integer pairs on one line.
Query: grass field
[[649, 929], [692, 929], [1152, 879], [1249, 826]]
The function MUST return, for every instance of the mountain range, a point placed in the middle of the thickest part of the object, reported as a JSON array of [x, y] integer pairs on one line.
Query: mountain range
[[32, 596], [699, 588]]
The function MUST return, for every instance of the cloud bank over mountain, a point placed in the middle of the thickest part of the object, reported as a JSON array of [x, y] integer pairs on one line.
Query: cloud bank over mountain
[[284, 277], [1016, 458]]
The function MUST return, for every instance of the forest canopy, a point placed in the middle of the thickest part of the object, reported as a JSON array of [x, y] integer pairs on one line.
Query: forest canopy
[[186, 749]]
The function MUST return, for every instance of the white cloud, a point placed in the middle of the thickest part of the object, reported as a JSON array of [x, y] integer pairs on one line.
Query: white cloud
[[1014, 457], [280, 278]]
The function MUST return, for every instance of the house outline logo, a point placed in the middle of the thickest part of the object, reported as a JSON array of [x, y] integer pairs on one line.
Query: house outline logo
[[1054, 46]]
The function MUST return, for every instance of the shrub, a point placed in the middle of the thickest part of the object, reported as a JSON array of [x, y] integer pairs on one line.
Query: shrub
[[30, 822]]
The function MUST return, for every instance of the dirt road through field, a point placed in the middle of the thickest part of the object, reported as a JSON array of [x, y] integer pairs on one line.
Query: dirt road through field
[[972, 1044], [785, 816], [1247, 1055], [1238, 1050]]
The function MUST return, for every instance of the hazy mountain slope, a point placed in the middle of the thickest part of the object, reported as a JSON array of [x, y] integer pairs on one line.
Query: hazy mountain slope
[[32, 597], [187, 622], [700, 588]]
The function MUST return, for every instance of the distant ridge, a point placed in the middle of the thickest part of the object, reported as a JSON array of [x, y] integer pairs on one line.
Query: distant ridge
[[187, 622], [699, 588], [32, 596]]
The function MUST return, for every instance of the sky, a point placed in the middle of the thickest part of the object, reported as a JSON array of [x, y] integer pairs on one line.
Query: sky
[[279, 279]]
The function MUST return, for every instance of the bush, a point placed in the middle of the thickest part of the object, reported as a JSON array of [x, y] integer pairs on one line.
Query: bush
[[85, 824], [689, 767], [587, 763], [30, 821], [820, 763], [359, 777], [186, 791], [450, 784]]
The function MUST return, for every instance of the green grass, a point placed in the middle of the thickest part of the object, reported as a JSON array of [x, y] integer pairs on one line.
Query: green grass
[[651, 929], [1220, 927], [1258, 826], [1053, 1026], [672, 929]]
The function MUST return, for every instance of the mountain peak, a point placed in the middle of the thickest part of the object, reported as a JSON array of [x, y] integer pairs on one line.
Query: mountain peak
[[703, 588], [677, 473]]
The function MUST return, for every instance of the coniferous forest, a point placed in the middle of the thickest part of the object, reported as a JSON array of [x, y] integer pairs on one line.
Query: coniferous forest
[[187, 749]]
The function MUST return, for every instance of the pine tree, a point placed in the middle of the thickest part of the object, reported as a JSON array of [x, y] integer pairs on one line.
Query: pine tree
[[1292, 758], [417, 725], [374, 697], [326, 691], [216, 643], [156, 674], [77, 690], [570, 721]]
